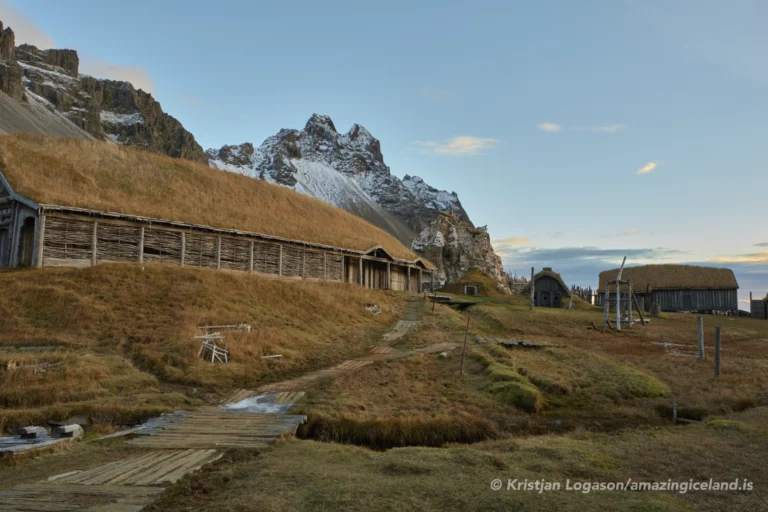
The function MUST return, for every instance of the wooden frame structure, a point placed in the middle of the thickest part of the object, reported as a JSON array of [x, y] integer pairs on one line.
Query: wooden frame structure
[[45, 235]]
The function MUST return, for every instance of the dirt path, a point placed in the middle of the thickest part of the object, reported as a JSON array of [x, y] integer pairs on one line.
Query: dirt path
[[179, 443]]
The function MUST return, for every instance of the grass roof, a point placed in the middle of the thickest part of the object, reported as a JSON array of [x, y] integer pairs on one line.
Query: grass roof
[[673, 277], [107, 177], [551, 273], [486, 285]]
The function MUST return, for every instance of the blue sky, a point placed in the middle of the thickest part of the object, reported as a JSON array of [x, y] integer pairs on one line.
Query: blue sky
[[541, 115]]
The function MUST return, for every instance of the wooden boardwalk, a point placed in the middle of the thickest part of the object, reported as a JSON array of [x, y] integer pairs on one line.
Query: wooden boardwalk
[[53, 497], [213, 428]]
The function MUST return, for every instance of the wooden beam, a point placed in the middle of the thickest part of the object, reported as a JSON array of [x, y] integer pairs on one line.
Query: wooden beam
[[421, 274], [141, 245], [629, 305], [218, 252], [533, 287], [95, 241], [360, 264], [408, 281], [642, 318], [250, 256], [618, 296], [280, 261], [303, 264], [40, 239], [183, 248], [325, 266]]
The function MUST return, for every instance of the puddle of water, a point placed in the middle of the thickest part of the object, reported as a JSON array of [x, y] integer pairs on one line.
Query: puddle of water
[[259, 404]]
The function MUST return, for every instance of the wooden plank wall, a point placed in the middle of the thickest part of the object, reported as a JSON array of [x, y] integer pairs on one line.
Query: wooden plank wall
[[702, 300], [69, 240]]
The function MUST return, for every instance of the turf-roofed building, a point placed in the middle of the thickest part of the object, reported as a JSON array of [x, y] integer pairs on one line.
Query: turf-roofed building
[[676, 287], [79, 203]]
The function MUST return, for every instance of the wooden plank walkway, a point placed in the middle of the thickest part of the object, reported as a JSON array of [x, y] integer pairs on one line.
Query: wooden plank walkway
[[213, 428], [54, 497]]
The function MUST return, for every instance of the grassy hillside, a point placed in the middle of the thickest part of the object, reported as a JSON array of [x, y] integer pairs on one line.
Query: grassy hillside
[[101, 176], [122, 336]]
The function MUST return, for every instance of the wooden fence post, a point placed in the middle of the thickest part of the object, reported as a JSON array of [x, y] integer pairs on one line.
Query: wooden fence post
[[250, 256], [605, 306], [533, 287], [280, 261], [141, 245], [629, 304], [717, 351], [95, 241], [701, 338], [464, 350]]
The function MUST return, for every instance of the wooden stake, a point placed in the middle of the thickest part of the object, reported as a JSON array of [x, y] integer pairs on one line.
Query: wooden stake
[[629, 305], [618, 296], [183, 248], [701, 338], [95, 241], [637, 305], [717, 351], [141, 245], [533, 286], [464, 350]]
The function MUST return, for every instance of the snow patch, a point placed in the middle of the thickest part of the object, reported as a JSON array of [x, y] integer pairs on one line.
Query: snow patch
[[121, 119]]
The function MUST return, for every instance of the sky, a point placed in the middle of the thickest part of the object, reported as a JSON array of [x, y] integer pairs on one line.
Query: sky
[[578, 132]]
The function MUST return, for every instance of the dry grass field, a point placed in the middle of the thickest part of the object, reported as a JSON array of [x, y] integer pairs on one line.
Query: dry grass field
[[408, 432], [101, 176]]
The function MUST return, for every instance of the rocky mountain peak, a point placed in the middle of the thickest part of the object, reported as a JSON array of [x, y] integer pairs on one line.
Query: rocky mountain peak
[[7, 43], [321, 127], [64, 61]]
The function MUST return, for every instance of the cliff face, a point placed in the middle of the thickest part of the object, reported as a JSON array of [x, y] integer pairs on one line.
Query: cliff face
[[455, 247], [48, 85]]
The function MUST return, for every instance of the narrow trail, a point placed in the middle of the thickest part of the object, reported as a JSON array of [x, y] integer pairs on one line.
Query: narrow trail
[[184, 441]]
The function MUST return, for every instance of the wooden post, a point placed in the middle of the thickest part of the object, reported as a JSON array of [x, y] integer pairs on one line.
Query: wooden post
[[183, 248], [218, 252], [629, 304], [389, 276], [408, 280], [325, 266], [533, 286], [303, 264], [421, 275], [250, 257], [280, 261], [717, 351], [464, 350], [141, 245], [40, 239], [618, 295], [95, 241], [606, 297], [360, 266], [570, 302], [701, 338], [639, 311]]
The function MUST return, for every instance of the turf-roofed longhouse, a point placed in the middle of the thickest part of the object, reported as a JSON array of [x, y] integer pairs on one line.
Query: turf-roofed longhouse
[[676, 287], [78, 203]]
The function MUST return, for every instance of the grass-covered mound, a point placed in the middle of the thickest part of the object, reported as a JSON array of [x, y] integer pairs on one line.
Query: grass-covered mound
[[486, 285]]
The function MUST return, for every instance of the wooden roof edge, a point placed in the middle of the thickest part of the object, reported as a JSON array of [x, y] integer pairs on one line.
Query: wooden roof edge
[[550, 273]]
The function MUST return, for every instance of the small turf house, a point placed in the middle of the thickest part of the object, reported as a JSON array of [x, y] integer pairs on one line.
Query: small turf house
[[676, 287], [549, 289], [37, 232]]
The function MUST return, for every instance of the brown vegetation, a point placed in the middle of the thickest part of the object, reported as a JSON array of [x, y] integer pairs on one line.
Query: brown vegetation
[[672, 276], [486, 286], [101, 176]]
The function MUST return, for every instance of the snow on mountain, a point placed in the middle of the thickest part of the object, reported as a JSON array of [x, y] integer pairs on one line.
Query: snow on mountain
[[346, 170]]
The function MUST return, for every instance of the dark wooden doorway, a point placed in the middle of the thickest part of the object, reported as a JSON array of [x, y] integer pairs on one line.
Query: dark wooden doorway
[[27, 242]]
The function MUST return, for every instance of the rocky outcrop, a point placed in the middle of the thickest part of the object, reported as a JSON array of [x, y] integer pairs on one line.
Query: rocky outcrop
[[104, 109], [455, 246], [11, 73], [344, 169]]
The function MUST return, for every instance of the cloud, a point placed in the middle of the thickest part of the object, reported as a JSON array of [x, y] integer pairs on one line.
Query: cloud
[[513, 241], [549, 127], [555, 234], [98, 68], [648, 168], [632, 232], [762, 244], [26, 30], [463, 146], [608, 128], [435, 94], [755, 257]]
